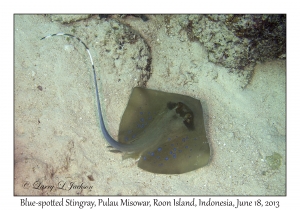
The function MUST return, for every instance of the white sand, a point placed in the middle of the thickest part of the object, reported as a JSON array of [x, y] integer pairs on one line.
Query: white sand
[[57, 136]]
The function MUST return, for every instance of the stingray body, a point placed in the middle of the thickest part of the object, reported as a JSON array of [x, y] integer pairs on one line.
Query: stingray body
[[164, 131]]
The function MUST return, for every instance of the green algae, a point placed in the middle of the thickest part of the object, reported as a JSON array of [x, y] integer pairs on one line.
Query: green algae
[[274, 161]]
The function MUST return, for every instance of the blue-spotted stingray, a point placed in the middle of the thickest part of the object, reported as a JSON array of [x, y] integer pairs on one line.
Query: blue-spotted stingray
[[165, 132]]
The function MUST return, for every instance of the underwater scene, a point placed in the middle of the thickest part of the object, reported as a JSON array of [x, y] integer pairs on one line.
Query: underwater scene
[[150, 104]]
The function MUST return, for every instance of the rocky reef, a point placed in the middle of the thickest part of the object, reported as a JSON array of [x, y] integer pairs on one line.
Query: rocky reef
[[237, 41]]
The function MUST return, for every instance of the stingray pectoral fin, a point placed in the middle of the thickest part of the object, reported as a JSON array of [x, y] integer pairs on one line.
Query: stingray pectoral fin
[[170, 158]]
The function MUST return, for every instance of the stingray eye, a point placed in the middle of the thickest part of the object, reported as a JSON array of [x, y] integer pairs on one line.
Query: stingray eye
[[171, 105], [188, 116]]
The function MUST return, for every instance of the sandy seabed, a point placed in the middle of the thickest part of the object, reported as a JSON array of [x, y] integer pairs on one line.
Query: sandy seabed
[[57, 136]]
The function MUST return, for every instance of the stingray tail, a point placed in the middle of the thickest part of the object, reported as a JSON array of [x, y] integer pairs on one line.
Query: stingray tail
[[110, 140]]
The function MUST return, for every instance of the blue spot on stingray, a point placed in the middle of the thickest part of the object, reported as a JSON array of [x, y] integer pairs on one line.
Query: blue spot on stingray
[[152, 154], [159, 149], [174, 155], [166, 158], [141, 113], [144, 158], [186, 146], [142, 125], [169, 139], [171, 152], [126, 138], [142, 119], [174, 149], [133, 136]]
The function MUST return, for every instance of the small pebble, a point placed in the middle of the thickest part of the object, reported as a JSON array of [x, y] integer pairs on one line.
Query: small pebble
[[69, 48]]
